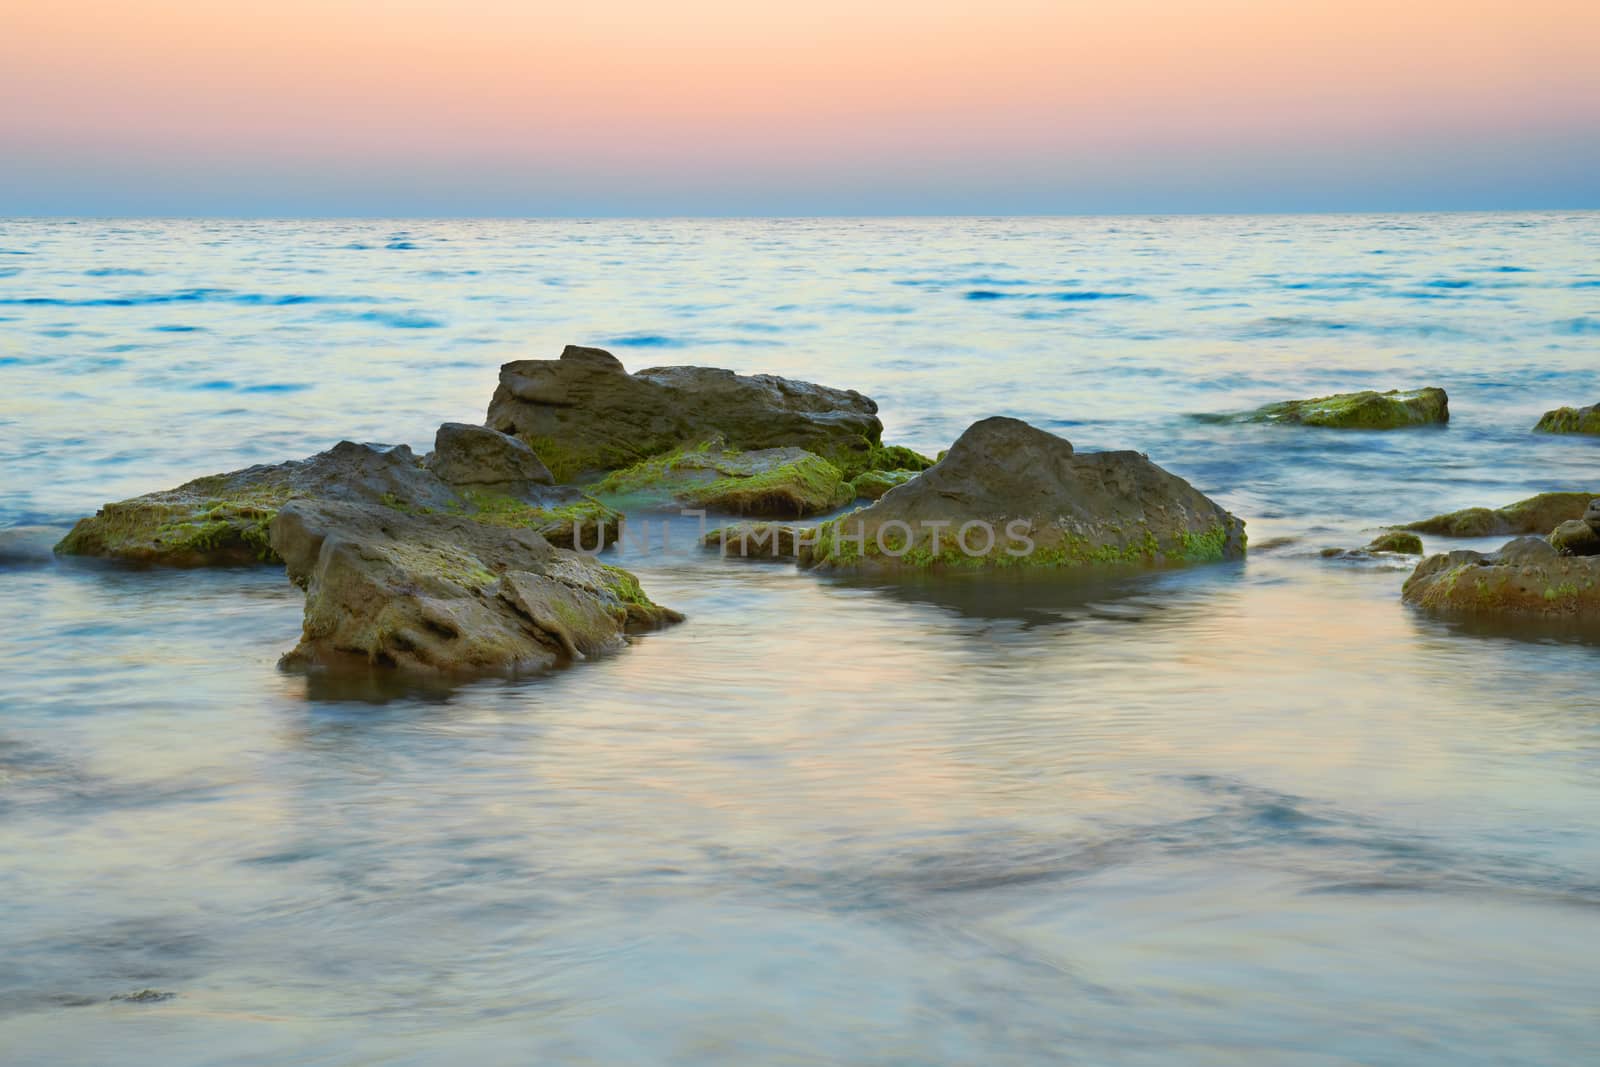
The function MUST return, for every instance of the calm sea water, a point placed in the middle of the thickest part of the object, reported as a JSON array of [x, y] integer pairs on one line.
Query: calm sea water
[[1255, 813]]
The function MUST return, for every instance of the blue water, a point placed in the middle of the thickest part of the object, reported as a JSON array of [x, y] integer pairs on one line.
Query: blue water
[[1250, 813]]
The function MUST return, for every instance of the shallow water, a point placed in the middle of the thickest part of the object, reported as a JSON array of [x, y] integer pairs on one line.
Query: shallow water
[[1252, 812]]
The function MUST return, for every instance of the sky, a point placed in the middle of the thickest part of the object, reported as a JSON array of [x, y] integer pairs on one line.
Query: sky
[[763, 107]]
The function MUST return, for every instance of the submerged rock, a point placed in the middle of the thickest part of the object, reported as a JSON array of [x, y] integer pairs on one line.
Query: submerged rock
[[781, 482], [28, 545], [1367, 410], [759, 540], [442, 594], [1010, 495], [1535, 515], [1395, 542], [1526, 578], [584, 413], [1570, 420]]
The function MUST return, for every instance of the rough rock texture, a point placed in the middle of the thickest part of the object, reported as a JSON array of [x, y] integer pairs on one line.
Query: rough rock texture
[[584, 412], [476, 457], [780, 482], [1043, 504], [871, 485], [1366, 410], [1570, 420], [758, 540], [1575, 538], [223, 519], [440, 594], [1527, 577], [1535, 515]]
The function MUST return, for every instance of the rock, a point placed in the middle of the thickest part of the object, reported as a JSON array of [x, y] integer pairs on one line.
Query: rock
[[1591, 515], [223, 519], [1394, 542], [1406, 544], [1010, 495], [476, 457], [782, 482], [758, 540], [1575, 538], [443, 594], [1526, 578], [1368, 410], [1570, 420], [584, 412], [870, 485], [1535, 515]]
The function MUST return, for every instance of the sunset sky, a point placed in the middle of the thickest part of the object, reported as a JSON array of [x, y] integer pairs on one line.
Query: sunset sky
[[740, 107]]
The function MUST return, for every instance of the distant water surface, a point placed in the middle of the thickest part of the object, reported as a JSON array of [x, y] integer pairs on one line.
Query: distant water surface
[[1252, 813]]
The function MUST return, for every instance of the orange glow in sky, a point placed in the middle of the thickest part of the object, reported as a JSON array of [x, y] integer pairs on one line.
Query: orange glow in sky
[[701, 105]]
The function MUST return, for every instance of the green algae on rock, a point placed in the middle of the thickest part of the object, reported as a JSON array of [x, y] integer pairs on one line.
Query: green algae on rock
[[1535, 515], [1395, 542], [1575, 537], [222, 519], [780, 482], [1010, 495], [1367, 410], [585, 413], [1570, 420], [1525, 578], [442, 594], [871, 485]]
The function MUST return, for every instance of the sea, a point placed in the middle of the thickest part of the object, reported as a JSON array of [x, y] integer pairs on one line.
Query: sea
[[1257, 812]]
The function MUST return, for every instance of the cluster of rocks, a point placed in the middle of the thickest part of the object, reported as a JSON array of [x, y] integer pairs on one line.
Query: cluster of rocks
[[480, 557]]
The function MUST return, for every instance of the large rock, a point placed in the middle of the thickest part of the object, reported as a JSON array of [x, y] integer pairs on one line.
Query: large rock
[[1367, 410], [1526, 578], [1570, 420], [584, 413], [1009, 495], [786, 483], [223, 519], [441, 594], [1535, 515]]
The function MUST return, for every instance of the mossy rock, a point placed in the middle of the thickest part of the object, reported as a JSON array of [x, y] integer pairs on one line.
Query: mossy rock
[[1367, 410], [1397, 541], [584, 413], [1575, 538], [565, 517], [1570, 420], [1009, 495], [870, 485], [1525, 578], [1535, 515], [780, 482]]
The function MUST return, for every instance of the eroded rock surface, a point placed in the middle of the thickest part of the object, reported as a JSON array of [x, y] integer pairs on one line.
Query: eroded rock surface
[[585, 413], [442, 594], [1525, 578]]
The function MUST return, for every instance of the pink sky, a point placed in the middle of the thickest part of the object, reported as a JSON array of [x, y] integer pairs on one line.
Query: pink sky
[[549, 108]]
